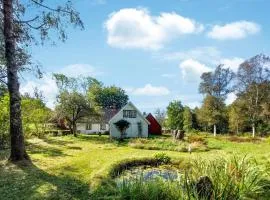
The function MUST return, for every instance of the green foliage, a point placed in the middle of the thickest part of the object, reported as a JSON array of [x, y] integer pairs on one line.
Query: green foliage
[[237, 116], [110, 97], [4, 121], [212, 113], [163, 143], [188, 122], [73, 106], [88, 159], [217, 83], [162, 158], [122, 125], [175, 115], [233, 178], [35, 116]]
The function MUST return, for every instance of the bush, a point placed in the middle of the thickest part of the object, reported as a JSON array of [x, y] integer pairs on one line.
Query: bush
[[162, 158], [197, 139]]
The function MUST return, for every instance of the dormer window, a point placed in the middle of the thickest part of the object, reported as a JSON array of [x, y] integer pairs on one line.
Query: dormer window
[[129, 113]]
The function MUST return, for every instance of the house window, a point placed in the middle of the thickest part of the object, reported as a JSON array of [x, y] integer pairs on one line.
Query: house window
[[102, 126], [129, 113], [88, 126]]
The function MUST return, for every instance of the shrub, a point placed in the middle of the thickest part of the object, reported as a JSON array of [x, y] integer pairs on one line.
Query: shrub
[[243, 139], [197, 139], [162, 158]]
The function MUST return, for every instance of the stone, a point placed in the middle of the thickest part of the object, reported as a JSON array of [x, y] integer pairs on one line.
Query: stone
[[204, 187]]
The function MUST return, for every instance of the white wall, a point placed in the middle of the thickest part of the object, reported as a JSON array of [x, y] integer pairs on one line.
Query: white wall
[[132, 131], [95, 127]]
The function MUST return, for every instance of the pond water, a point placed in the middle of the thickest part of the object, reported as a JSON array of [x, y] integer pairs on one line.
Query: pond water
[[147, 173]]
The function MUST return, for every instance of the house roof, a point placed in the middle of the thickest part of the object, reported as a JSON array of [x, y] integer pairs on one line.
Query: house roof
[[150, 116], [104, 117], [132, 105]]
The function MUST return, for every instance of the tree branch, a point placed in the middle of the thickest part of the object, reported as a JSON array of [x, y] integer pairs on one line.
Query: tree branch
[[51, 9], [27, 21]]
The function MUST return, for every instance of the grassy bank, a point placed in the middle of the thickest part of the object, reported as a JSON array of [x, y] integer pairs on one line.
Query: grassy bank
[[69, 168]]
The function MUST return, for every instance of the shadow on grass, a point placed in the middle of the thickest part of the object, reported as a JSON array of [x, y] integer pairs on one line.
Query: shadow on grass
[[48, 151], [104, 139], [27, 181], [57, 141]]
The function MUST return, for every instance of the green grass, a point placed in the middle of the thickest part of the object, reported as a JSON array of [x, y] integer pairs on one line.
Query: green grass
[[70, 168], [198, 144]]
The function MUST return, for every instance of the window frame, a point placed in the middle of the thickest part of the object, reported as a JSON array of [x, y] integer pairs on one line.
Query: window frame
[[129, 114]]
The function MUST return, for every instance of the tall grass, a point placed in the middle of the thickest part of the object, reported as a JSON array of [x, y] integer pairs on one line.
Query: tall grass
[[198, 144], [234, 178]]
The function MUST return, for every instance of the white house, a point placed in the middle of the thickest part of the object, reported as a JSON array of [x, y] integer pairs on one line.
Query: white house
[[138, 124], [96, 124]]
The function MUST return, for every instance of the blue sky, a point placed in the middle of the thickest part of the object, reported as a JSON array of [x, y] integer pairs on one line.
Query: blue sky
[[155, 50]]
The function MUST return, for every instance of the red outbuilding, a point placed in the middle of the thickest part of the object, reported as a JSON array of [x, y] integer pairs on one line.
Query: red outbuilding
[[154, 127]]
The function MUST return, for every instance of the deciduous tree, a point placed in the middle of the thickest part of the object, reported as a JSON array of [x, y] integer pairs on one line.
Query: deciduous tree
[[253, 76], [175, 115], [18, 31]]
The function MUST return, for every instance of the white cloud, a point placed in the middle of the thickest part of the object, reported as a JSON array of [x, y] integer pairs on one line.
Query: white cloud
[[230, 98], [77, 70], [232, 63], [136, 28], [46, 85], [234, 30], [206, 54], [192, 69], [149, 90]]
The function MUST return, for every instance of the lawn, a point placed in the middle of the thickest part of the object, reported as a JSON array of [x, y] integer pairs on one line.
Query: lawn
[[70, 168]]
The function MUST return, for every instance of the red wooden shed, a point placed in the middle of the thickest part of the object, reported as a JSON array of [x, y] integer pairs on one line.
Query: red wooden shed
[[154, 127]]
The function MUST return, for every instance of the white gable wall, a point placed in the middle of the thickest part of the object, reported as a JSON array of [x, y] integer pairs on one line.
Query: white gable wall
[[133, 130]]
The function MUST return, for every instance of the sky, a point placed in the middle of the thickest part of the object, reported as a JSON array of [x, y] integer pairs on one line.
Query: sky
[[155, 50]]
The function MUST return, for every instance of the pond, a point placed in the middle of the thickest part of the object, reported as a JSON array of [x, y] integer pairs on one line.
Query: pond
[[146, 173]]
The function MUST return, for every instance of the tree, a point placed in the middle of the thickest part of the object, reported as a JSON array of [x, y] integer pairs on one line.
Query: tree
[[212, 112], [35, 114], [73, 106], [175, 115], [160, 116], [110, 97], [253, 76], [19, 32], [217, 83], [73, 100], [187, 119], [237, 115]]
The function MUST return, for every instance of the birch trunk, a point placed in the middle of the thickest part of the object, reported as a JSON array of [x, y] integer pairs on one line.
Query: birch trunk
[[16, 132], [253, 130], [215, 130]]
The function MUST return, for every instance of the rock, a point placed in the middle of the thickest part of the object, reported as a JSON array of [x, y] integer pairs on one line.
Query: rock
[[204, 187]]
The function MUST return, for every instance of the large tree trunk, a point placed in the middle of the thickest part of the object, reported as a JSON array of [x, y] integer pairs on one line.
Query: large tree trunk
[[16, 132]]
